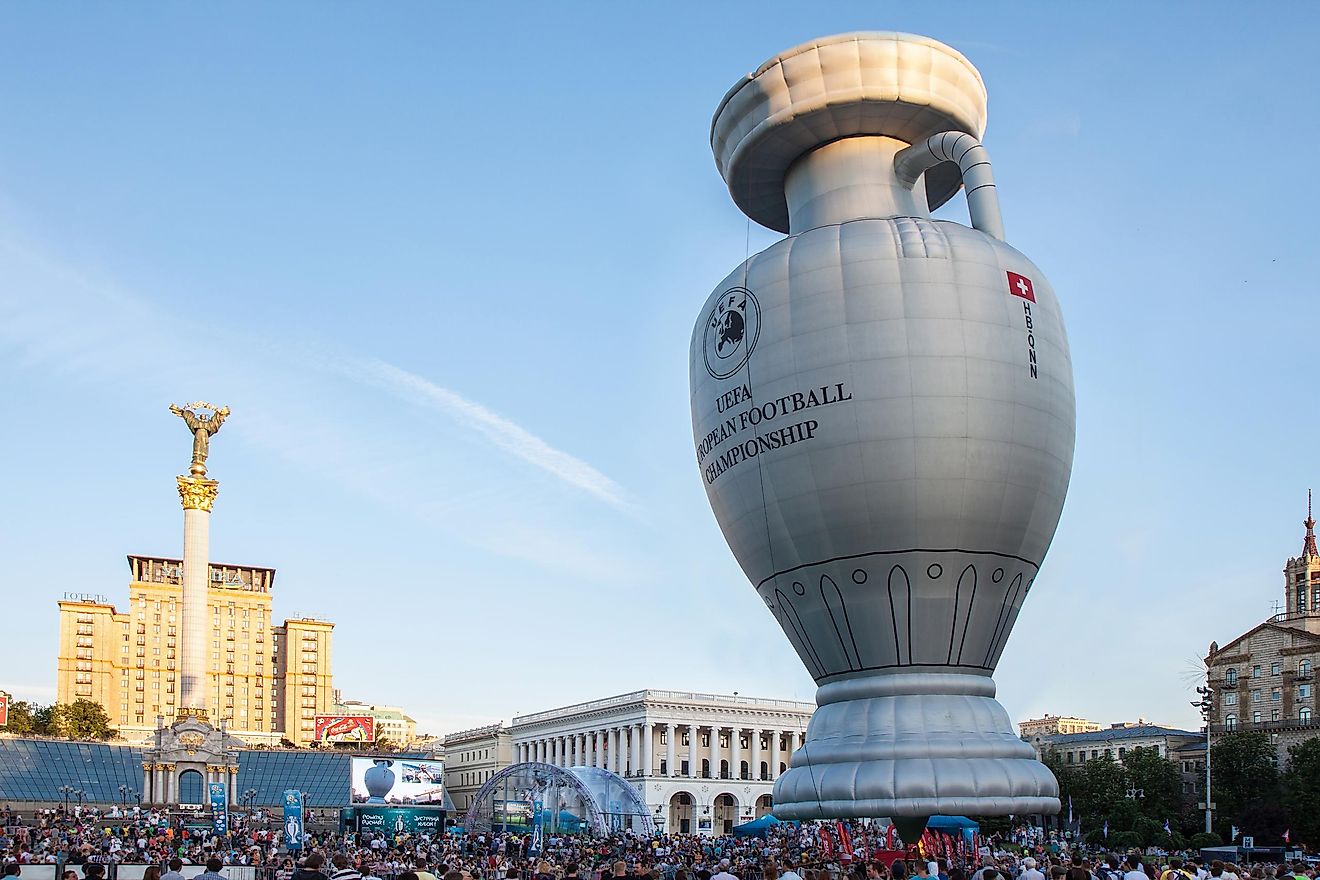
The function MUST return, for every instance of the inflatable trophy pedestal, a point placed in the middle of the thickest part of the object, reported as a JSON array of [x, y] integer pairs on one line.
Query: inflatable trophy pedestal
[[883, 412]]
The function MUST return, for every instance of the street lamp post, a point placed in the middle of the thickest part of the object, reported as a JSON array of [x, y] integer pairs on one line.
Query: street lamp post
[[66, 790], [1206, 705]]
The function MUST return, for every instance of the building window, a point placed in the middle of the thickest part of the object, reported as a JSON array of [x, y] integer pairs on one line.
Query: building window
[[1255, 695], [1274, 714], [1230, 677], [1303, 667], [1255, 672], [1230, 699], [1303, 691], [1274, 668], [1255, 718], [1276, 695], [1304, 715], [1230, 722]]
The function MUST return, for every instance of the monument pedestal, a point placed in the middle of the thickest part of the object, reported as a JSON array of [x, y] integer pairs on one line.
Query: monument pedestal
[[189, 745]]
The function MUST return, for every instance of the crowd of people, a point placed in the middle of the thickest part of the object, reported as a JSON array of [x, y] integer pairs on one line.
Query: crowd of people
[[90, 843]]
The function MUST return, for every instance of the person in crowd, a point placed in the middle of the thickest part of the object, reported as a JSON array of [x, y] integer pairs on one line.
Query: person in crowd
[[311, 868]]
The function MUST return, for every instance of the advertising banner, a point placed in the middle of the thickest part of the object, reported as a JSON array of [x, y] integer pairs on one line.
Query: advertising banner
[[380, 780], [293, 819], [4, 709], [219, 807], [345, 729]]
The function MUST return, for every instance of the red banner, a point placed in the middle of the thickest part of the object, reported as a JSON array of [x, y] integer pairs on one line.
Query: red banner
[[826, 842], [845, 843], [4, 709], [345, 728]]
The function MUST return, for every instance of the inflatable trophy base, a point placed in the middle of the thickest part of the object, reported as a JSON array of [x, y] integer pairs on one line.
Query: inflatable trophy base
[[913, 744]]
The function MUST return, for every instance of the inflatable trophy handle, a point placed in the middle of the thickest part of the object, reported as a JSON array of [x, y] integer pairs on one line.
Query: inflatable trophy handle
[[973, 165]]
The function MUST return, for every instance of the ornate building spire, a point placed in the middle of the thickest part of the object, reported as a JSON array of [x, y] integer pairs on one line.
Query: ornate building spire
[[1308, 546]]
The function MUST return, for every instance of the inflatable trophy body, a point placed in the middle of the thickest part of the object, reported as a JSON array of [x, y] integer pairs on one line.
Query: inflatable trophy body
[[883, 412]]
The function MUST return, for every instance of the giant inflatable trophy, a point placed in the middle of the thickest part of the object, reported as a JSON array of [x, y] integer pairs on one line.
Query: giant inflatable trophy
[[883, 412]]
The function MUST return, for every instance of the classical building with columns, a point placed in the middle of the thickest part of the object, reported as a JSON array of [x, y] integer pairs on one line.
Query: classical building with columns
[[702, 762]]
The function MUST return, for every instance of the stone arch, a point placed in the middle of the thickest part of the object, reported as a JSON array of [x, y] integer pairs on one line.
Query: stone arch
[[724, 812], [764, 804], [682, 813], [192, 788]]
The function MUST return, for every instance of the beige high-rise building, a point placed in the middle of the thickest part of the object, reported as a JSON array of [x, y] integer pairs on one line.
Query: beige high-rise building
[[265, 681]]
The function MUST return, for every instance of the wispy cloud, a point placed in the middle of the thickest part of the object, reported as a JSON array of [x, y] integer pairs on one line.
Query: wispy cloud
[[79, 329], [507, 435]]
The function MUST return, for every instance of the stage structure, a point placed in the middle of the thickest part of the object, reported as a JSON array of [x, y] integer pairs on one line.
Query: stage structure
[[546, 801], [883, 414]]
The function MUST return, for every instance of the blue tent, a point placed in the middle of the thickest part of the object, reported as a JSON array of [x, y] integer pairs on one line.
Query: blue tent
[[954, 825], [758, 827]]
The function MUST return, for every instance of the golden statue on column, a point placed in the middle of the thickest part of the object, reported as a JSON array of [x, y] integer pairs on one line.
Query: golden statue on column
[[202, 425]]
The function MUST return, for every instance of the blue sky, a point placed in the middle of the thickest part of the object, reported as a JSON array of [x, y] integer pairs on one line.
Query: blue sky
[[442, 262]]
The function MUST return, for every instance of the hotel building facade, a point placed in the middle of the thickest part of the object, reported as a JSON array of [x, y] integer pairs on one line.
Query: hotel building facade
[[265, 681]]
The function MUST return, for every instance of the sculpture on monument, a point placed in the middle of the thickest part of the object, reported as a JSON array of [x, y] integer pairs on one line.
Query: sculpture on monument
[[202, 425], [883, 413]]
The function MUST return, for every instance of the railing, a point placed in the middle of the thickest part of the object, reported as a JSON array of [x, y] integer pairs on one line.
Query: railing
[[1254, 726], [1289, 616]]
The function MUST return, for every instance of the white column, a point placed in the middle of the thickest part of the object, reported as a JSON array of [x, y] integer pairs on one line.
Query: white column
[[714, 751], [563, 752], [598, 747], [755, 762], [192, 653], [735, 753], [582, 750], [648, 748], [671, 731], [616, 750], [693, 766], [634, 749], [774, 753]]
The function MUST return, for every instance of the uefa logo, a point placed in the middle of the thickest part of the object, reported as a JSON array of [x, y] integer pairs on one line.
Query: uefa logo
[[732, 328]]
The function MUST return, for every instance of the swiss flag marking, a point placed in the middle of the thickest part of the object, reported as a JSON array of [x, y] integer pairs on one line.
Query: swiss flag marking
[[1020, 285]]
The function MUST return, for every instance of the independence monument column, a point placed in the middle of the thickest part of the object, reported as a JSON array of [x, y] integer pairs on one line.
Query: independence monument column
[[197, 494]]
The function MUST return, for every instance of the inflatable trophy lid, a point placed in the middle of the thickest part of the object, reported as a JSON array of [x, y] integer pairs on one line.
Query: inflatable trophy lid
[[879, 83]]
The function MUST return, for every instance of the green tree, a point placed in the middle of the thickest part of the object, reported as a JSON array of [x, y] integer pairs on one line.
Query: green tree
[[82, 719], [1301, 791], [30, 719], [1103, 783], [1244, 776], [1160, 783]]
